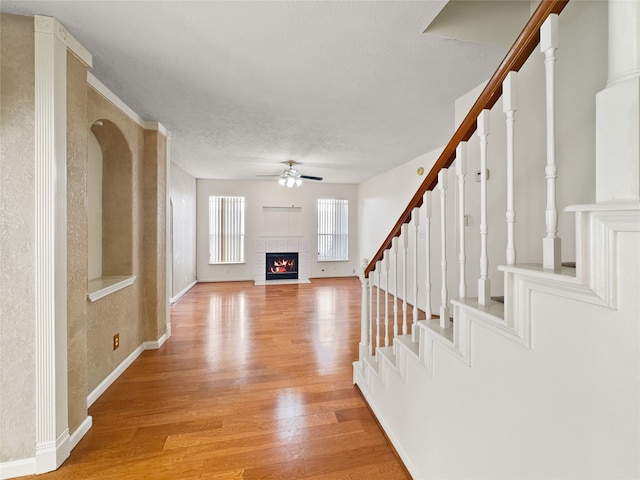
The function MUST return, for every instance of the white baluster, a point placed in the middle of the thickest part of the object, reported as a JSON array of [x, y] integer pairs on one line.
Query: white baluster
[[509, 107], [484, 284], [444, 292], [405, 245], [378, 269], [394, 249], [386, 298], [364, 313], [551, 243], [371, 335], [461, 172], [415, 217], [427, 235]]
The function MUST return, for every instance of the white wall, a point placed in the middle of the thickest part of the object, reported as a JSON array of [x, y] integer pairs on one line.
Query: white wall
[[259, 194], [383, 198], [183, 223]]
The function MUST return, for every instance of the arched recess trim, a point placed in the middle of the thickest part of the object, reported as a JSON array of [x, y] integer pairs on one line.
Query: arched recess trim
[[116, 202]]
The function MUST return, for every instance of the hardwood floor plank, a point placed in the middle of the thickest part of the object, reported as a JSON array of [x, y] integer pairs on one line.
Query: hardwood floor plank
[[256, 382]]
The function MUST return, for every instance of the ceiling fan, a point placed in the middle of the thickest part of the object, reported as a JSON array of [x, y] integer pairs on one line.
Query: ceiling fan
[[291, 176]]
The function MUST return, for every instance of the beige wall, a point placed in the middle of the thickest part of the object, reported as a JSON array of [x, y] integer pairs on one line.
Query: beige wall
[[77, 269], [137, 312], [183, 247], [155, 286], [17, 310]]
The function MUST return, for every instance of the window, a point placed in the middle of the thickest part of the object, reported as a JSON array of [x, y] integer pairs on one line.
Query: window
[[226, 229], [333, 229]]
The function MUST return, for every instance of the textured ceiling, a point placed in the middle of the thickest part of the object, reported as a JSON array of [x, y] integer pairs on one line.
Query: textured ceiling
[[349, 89]]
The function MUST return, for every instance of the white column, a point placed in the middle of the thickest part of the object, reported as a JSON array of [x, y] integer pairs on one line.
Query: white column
[[364, 312], [415, 217], [444, 292], [551, 242], [618, 109], [461, 172], [51, 402], [509, 107], [484, 284], [426, 199], [404, 234]]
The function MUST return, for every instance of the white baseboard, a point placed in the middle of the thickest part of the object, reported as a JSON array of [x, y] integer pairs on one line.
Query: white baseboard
[[81, 431], [28, 466], [18, 468], [154, 344], [106, 383], [173, 300]]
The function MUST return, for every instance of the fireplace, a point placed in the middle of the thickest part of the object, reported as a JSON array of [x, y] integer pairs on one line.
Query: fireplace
[[282, 266]]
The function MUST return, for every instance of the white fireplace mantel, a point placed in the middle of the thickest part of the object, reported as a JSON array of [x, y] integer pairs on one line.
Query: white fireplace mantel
[[265, 245]]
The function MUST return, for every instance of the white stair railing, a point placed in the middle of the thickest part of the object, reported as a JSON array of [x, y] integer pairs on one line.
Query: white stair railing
[[394, 249], [444, 292], [404, 235], [509, 107], [415, 218], [387, 263], [461, 171], [386, 298], [484, 284], [378, 270], [427, 257], [548, 46]]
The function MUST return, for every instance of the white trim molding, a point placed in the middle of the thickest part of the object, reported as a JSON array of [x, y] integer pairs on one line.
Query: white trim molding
[[119, 370], [103, 90], [103, 286], [173, 300]]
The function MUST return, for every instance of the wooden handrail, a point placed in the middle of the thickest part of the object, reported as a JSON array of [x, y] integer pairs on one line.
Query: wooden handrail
[[513, 61]]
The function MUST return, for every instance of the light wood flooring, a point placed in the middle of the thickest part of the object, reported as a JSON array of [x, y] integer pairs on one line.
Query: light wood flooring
[[255, 383]]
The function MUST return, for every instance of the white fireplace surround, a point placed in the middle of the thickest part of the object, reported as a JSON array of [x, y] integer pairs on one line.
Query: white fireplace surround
[[276, 245]]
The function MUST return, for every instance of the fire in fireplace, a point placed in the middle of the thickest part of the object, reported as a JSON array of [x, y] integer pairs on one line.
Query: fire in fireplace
[[282, 266]]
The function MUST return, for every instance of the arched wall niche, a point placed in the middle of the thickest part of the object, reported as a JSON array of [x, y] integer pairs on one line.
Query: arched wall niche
[[116, 202]]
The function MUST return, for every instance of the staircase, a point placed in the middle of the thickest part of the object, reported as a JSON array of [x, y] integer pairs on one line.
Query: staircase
[[531, 368]]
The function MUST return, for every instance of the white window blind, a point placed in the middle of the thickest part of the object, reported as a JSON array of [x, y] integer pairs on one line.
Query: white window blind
[[226, 229], [333, 229]]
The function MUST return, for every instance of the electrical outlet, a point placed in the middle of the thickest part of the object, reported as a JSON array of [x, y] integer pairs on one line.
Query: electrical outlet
[[116, 341]]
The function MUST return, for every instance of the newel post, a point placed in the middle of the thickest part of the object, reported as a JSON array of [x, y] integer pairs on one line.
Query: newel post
[[618, 110], [551, 242], [364, 312]]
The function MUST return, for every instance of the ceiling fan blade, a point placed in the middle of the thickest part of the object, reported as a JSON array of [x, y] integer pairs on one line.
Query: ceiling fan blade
[[308, 177], [264, 175]]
